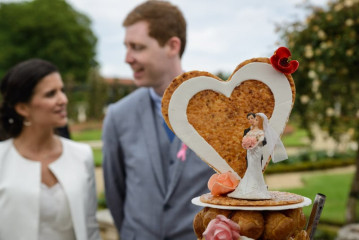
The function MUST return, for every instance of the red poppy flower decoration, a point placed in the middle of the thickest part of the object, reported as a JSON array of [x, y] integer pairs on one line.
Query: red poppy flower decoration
[[280, 61]]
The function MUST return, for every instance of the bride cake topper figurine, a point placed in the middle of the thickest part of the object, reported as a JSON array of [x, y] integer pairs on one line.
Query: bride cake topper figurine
[[252, 185]]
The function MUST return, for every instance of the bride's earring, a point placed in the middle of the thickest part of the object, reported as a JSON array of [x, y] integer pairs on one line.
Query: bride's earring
[[27, 123]]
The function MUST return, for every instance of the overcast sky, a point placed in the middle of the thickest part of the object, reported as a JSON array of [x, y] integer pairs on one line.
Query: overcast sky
[[221, 34]]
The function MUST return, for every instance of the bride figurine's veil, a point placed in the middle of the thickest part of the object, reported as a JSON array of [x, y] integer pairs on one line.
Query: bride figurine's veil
[[274, 144]]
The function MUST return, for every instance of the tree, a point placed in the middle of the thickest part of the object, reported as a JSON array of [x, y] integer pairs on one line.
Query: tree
[[223, 75], [327, 82], [50, 30], [97, 95]]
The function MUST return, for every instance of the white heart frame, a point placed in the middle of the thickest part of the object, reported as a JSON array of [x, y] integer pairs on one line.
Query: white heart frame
[[264, 72]]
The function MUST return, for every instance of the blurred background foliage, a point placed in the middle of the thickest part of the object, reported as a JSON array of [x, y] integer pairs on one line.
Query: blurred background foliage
[[35, 29], [326, 45]]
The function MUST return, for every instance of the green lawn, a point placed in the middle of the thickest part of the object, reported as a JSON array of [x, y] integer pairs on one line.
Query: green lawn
[[336, 188], [296, 139], [90, 135], [97, 152], [87, 135]]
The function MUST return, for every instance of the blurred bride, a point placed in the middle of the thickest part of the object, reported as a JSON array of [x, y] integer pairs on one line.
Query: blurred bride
[[47, 185]]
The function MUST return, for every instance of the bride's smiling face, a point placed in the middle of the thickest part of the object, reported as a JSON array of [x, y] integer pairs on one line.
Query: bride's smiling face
[[255, 122], [47, 107]]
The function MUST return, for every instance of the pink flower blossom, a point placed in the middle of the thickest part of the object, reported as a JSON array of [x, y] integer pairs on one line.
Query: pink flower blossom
[[221, 228], [249, 142], [182, 152], [223, 183]]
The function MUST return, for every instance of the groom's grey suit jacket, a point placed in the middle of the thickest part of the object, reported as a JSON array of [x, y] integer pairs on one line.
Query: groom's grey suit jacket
[[148, 189]]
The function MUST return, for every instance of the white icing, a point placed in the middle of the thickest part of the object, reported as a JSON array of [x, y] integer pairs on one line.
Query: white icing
[[177, 109], [245, 238]]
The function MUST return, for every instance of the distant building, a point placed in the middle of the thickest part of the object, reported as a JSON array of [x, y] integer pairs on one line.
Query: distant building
[[119, 87], [120, 81]]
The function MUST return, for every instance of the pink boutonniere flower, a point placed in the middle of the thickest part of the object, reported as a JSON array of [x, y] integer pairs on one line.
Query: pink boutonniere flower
[[182, 152]]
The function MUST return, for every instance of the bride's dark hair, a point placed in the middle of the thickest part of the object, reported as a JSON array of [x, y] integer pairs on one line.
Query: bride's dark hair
[[17, 86]]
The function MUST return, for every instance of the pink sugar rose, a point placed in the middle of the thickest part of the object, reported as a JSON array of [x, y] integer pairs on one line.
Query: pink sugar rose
[[223, 183], [249, 142], [221, 228]]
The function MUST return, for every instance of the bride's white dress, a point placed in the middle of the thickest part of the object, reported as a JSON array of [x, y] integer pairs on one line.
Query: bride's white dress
[[252, 185]]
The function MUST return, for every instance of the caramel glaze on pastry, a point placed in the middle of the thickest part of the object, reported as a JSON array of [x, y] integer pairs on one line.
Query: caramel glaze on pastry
[[264, 225], [278, 226], [251, 223]]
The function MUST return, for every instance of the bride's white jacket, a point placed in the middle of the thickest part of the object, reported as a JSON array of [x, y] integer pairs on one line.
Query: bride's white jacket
[[20, 181]]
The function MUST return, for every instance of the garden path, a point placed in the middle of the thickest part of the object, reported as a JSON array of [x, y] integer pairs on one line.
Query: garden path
[[294, 179]]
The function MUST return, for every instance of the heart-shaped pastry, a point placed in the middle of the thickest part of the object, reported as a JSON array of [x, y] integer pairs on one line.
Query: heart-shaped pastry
[[210, 115]]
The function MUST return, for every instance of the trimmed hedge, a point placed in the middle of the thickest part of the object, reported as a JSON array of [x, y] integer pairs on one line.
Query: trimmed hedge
[[309, 166]]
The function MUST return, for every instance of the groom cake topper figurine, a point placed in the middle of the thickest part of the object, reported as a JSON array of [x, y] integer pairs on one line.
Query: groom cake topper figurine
[[252, 185], [210, 115]]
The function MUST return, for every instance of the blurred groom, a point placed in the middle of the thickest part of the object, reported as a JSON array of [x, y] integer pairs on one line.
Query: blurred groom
[[149, 189]]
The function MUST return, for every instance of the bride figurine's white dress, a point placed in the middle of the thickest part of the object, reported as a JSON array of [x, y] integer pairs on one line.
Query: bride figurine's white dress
[[252, 185]]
